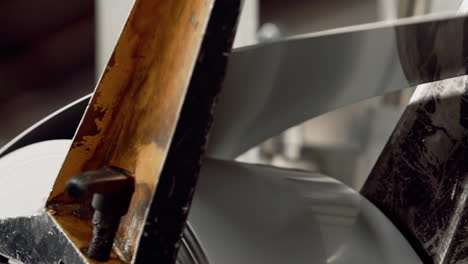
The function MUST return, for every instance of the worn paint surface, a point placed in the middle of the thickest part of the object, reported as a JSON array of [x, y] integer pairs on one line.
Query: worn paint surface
[[133, 114]]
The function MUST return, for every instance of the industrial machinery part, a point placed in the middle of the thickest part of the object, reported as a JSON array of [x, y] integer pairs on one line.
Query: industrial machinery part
[[163, 78], [111, 191], [159, 144], [420, 179], [314, 218]]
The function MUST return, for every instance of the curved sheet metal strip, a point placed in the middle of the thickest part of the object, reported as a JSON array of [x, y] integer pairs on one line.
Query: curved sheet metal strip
[[241, 213], [61, 124], [258, 214], [274, 86]]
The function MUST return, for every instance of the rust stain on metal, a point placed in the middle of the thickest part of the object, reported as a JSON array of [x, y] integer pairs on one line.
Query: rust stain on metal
[[134, 111]]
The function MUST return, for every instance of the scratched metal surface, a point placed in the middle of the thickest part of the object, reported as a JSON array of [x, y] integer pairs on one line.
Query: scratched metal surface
[[420, 180], [36, 239]]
